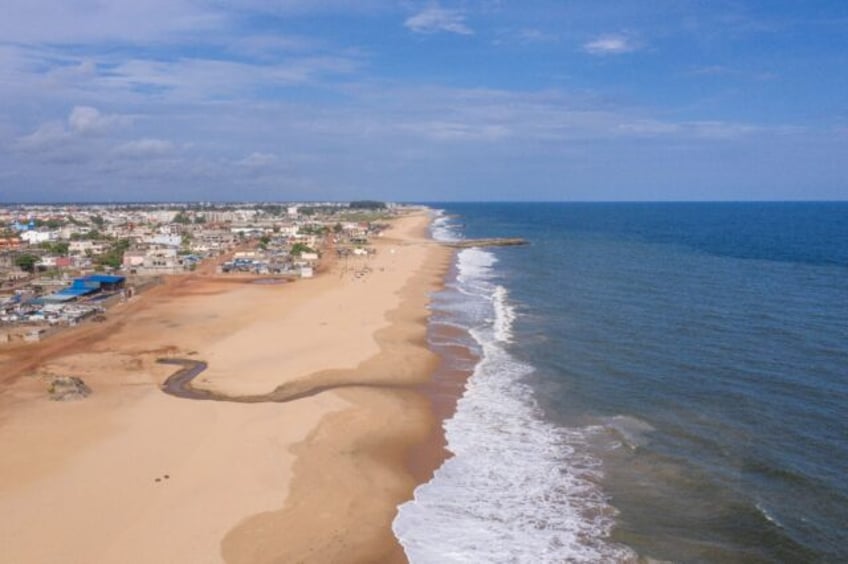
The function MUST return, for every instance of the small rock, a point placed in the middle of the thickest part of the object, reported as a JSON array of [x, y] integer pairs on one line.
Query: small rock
[[68, 388]]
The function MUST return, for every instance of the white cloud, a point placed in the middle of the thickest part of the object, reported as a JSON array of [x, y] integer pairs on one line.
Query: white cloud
[[713, 70], [708, 130], [85, 119], [648, 128], [258, 160], [46, 135], [145, 148], [61, 21], [722, 129], [611, 44], [458, 131], [197, 79], [435, 19]]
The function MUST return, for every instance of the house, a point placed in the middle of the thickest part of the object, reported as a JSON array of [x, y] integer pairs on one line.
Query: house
[[152, 261], [86, 247], [46, 262], [133, 259], [9, 243], [168, 240], [163, 261], [35, 237]]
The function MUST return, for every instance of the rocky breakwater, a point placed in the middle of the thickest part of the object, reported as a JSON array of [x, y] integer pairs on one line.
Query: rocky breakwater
[[492, 242]]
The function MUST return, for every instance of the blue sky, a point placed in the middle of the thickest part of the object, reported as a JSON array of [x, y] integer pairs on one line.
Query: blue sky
[[470, 100]]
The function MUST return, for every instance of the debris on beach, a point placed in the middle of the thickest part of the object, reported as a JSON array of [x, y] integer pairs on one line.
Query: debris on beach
[[68, 388]]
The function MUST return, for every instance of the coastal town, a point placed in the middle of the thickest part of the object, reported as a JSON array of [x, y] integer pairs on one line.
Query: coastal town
[[61, 265], [232, 381]]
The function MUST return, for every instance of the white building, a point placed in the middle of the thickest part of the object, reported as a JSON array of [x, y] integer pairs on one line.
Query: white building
[[35, 237], [167, 240]]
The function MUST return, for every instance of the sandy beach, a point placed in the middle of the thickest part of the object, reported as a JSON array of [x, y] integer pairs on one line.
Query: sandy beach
[[131, 474]]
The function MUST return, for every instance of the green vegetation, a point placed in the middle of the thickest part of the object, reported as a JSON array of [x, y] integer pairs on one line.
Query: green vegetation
[[26, 262], [114, 257], [366, 216], [313, 230], [93, 235], [272, 209], [49, 223], [367, 205], [300, 248], [323, 210], [55, 247]]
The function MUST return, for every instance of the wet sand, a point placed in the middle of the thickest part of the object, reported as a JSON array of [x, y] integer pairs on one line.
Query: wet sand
[[132, 474]]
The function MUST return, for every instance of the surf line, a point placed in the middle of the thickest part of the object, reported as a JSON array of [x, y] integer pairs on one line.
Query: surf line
[[179, 385]]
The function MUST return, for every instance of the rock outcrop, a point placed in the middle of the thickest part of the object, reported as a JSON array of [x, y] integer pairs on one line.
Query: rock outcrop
[[68, 388]]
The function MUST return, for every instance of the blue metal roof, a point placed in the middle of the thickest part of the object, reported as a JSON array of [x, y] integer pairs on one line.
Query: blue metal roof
[[105, 278], [57, 297], [76, 291]]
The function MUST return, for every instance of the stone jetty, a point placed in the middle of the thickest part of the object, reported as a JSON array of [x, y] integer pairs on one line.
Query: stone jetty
[[493, 242]]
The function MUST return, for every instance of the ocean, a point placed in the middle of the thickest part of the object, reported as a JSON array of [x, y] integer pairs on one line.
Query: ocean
[[657, 381]]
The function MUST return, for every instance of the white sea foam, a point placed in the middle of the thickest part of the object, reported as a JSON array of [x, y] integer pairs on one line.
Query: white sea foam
[[767, 514], [504, 315], [475, 268], [441, 227], [634, 432], [518, 489]]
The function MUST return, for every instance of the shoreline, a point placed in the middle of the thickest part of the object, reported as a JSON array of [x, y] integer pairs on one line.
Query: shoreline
[[456, 363], [362, 451], [104, 458]]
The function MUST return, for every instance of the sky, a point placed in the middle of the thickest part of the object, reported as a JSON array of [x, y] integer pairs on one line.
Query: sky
[[279, 100]]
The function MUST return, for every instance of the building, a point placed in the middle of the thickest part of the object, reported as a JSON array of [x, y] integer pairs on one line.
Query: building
[[86, 247], [86, 286], [35, 237], [9, 243]]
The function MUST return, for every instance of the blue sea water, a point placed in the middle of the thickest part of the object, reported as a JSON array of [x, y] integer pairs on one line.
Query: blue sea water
[[657, 381]]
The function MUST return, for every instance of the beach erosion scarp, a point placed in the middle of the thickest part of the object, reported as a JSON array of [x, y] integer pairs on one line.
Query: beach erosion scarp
[[132, 474]]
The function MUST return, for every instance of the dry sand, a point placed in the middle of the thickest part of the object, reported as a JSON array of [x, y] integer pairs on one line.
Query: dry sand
[[133, 475]]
